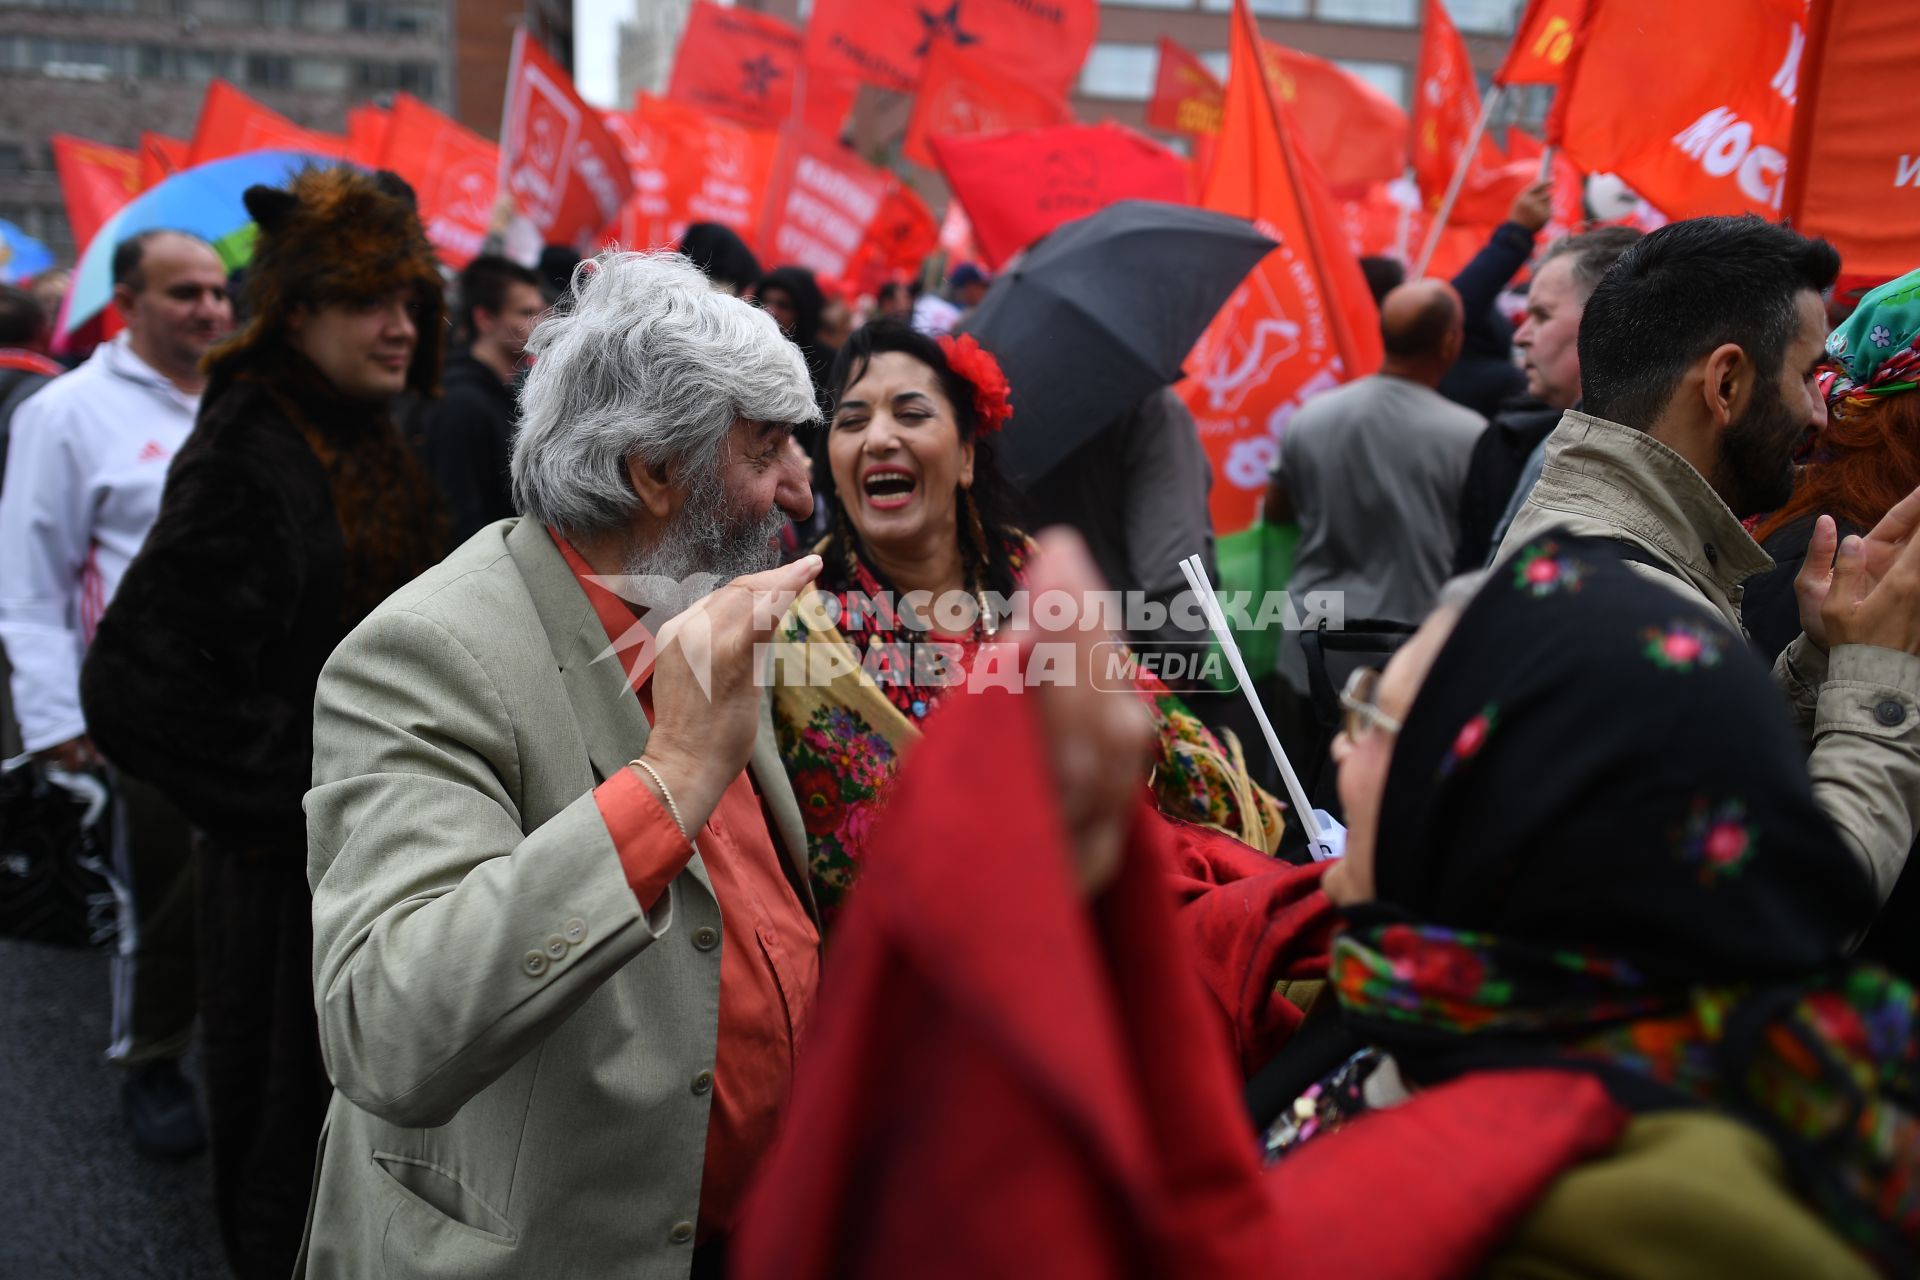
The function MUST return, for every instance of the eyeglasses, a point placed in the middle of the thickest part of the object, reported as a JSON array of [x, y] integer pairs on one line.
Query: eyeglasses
[[1357, 699]]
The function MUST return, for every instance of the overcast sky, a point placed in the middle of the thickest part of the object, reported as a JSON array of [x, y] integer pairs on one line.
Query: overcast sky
[[596, 48]]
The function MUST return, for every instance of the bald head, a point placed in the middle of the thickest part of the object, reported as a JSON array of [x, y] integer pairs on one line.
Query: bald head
[[1417, 319]]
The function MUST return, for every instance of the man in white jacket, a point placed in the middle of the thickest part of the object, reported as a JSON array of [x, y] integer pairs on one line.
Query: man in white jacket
[[84, 472]]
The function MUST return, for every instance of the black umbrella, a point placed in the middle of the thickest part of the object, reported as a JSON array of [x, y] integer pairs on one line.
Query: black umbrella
[[1103, 312]]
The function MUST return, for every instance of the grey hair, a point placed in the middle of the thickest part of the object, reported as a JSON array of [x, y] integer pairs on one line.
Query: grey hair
[[1592, 253], [649, 360], [1456, 594]]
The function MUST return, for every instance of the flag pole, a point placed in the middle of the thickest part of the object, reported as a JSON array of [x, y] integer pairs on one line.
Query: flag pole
[[1467, 154], [1403, 237], [1546, 166]]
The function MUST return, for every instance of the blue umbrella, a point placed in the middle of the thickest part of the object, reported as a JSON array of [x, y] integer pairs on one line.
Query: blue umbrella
[[204, 200]]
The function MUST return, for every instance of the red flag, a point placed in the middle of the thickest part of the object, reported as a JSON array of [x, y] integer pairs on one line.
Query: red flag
[[1018, 186], [901, 237], [738, 64], [884, 42], [366, 135], [1186, 96], [1542, 45], [826, 100], [821, 202], [1302, 321], [160, 157], [564, 171], [454, 173], [1854, 176], [962, 94], [687, 167], [1691, 104], [95, 180], [1446, 105], [231, 124], [1355, 133]]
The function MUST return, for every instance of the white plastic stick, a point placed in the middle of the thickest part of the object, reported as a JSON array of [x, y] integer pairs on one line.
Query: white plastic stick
[[1196, 575]]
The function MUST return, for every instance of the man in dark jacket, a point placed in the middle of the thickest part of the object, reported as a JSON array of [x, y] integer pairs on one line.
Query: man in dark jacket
[[1484, 376], [291, 511], [467, 435], [1550, 357]]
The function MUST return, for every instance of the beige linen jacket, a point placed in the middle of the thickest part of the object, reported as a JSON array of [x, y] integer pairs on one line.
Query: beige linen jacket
[[1859, 706], [519, 1053]]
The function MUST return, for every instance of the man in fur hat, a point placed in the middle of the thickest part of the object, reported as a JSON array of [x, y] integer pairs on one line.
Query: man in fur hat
[[292, 510]]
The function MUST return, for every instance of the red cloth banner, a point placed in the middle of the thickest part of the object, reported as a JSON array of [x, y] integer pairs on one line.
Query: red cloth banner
[[1446, 104], [686, 167], [962, 94], [95, 180], [1302, 321], [1186, 96], [159, 157], [367, 134], [565, 172], [1854, 172], [902, 235], [821, 203], [1355, 133], [885, 42], [737, 64], [1018, 186], [455, 174], [1690, 104], [232, 124], [1544, 42]]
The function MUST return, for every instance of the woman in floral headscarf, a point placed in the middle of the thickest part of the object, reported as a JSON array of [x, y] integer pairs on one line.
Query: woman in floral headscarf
[[918, 506], [1864, 460]]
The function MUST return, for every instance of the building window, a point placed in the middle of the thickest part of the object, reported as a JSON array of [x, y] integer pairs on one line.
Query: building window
[[269, 70], [1390, 78], [1265, 8], [1493, 17], [1219, 64], [1379, 13], [1120, 71]]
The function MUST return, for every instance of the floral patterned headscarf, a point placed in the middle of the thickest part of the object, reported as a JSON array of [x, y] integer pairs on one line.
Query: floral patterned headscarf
[[1878, 348], [1599, 849]]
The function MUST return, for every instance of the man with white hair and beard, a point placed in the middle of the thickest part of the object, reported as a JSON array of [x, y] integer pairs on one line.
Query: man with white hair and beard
[[564, 942]]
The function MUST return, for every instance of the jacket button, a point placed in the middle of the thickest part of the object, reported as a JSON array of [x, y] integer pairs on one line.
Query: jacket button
[[703, 1082], [556, 947], [534, 965], [706, 938], [574, 931], [1890, 712], [681, 1233]]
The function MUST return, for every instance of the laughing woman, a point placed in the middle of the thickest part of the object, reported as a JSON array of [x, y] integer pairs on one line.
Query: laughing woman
[[919, 521]]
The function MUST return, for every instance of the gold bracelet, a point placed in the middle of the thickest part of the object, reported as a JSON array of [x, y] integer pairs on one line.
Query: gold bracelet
[[673, 810]]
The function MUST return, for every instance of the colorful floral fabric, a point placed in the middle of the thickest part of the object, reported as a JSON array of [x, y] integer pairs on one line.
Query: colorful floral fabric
[[1878, 348], [1830, 1064]]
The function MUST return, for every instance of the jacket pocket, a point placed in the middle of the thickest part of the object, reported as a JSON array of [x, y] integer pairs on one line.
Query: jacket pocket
[[433, 1190]]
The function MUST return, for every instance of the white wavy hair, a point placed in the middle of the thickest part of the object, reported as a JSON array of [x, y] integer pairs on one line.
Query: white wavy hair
[[649, 360]]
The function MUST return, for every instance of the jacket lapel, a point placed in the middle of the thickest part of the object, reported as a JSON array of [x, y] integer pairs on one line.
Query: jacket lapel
[[612, 725]]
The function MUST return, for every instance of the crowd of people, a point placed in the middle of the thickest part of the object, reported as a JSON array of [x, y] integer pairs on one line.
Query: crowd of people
[[595, 777]]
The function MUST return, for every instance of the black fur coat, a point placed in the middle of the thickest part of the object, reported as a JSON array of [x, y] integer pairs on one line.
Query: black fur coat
[[289, 514]]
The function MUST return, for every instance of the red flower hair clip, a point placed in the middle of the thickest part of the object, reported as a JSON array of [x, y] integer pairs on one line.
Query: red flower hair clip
[[992, 397]]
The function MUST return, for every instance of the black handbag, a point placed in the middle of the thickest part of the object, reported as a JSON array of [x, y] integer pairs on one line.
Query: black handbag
[[55, 883]]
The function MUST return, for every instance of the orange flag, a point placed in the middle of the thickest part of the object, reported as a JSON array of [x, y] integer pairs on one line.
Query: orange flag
[[1543, 43], [885, 42], [1355, 133], [366, 134], [1691, 104], [962, 93], [687, 166], [95, 180], [564, 171], [1446, 105], [1301, 322], [231, 123], [454, 173], [821, 203], [1186, 96], [736, 63], [159, 157], [1854, 175]]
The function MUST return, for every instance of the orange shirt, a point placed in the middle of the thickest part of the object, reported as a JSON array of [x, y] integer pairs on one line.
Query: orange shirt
[[769, 948]]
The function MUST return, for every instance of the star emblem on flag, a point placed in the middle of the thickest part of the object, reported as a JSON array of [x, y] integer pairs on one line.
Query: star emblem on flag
[[940, 24], [757, 75]]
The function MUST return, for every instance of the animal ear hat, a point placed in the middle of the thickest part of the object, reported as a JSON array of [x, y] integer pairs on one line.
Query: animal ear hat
[[338, 235]]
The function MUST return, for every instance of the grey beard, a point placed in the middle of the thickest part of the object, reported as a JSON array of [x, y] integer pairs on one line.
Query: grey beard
[[707, 546]]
